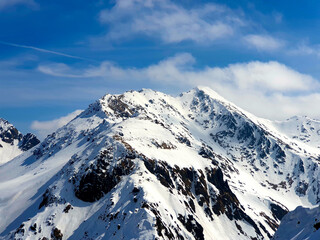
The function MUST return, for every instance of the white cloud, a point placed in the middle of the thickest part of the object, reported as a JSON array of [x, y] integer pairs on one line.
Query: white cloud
[[169, 22], [9, 3], [267, 89], [43, 128], [264, 76], [264, 42]]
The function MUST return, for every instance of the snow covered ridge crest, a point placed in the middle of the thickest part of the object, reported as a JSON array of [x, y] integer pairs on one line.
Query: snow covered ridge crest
[[12, 142], [145, 165]]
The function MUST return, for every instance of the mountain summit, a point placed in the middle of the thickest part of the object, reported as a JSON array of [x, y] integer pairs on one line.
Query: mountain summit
[[146, 165], [12, 142]]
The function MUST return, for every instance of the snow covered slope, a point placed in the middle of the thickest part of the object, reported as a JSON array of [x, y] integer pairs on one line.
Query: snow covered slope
[[301, 128], [12, 142], [145, 165], [300, 224]]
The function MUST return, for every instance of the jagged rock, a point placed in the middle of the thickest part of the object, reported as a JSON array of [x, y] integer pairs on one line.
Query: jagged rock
[[192, 226], [29, 141], [67, 208], [98, 180], [317, 226], [278, 211], [56, 234]]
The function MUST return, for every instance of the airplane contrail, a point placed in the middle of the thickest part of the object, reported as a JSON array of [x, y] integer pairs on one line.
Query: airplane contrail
[[45, 51]]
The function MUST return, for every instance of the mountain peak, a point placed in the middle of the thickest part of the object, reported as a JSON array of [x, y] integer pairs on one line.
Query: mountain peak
[[144, 165], [209, 91], [13, 142], [4, 124], [3, 120]]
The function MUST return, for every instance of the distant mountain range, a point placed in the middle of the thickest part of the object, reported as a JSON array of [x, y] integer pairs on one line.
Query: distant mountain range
[[146, 165]]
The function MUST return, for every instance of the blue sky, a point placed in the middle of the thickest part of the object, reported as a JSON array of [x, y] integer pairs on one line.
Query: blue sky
[[59, 56]]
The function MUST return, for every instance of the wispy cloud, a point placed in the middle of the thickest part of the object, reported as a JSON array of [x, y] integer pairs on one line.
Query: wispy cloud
[[278, 17], [43, 128], [45, 50], [264, 42], [305, 49], [170, 22], [268, 89]]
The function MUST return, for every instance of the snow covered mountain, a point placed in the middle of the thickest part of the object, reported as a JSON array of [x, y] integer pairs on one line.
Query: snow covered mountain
[[301, 128], [300, 224], [12, 142], [145, 165]]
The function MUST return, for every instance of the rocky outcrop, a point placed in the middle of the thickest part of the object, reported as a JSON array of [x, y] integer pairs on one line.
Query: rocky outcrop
[[28, 141], [8, 134]]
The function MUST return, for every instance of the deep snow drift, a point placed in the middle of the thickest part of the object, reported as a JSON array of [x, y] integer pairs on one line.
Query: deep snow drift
[[145, 165]]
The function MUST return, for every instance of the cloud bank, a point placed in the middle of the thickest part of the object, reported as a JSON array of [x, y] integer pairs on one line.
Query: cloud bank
[[267, 89], [170, 22], [44, 128]]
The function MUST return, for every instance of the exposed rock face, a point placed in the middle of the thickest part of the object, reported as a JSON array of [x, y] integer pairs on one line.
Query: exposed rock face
[[9, 133], [99, 178], [145, 165], [56, 234], [278, 211], [28, 141]]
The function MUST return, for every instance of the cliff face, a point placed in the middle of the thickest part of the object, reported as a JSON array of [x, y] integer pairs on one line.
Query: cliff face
[[145, 165]]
